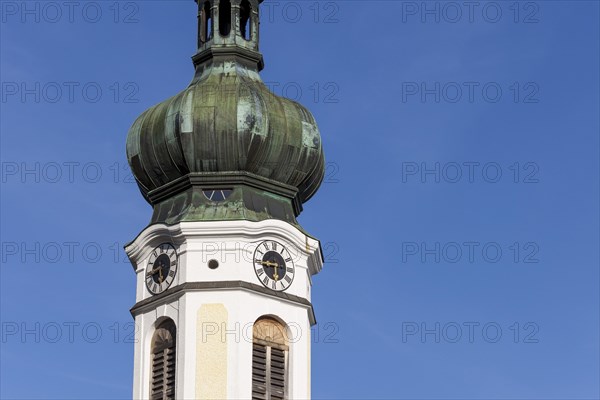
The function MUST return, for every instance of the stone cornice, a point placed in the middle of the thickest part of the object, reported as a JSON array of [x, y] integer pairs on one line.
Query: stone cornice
[[180, 290]]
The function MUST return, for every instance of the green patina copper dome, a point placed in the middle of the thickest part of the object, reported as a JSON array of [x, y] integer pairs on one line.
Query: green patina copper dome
[[227, 131]]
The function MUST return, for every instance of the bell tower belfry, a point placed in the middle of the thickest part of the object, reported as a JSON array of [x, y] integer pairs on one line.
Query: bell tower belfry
[[224, 270]]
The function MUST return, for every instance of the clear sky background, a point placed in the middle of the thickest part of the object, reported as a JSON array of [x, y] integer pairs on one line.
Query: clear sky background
[[405, 309]]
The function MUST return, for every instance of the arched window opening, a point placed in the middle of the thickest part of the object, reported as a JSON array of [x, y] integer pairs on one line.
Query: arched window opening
[[245, 20], [269, 360], [163, 362], [224, 17], [206, 24]]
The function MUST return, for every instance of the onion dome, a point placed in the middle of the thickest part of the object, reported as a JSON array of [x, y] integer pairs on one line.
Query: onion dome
[[226, 147]]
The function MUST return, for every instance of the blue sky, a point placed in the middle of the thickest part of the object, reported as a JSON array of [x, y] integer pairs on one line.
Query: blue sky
[[461, 194]]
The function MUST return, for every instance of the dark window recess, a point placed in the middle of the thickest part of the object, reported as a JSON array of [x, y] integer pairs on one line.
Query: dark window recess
[[163, 362], [206, 24], [217, 195], [245, 20], [224, 17]]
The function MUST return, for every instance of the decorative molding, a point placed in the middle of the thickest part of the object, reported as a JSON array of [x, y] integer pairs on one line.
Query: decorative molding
[[183, 231], [180, 290], [250, 57], [224, 180]]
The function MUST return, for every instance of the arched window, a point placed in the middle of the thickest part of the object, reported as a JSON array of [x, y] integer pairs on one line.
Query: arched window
[[269, 360], [206, 25], [224, 17], [245, 24], [163, 362]]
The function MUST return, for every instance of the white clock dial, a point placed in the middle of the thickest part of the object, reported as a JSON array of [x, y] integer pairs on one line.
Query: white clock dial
[[161, 269], [273, 265]]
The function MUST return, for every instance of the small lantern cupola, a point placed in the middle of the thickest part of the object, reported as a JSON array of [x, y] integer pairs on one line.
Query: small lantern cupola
[[228, 27]]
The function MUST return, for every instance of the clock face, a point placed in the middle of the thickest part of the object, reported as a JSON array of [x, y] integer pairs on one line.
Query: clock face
[[273, 265], [161, 269]]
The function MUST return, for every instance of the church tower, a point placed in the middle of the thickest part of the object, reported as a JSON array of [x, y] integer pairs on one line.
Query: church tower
[[223, 300]]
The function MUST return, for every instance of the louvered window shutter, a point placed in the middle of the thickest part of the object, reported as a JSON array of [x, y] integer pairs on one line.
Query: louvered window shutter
[[259, 372], [163, 363], [269, 361], [277, 374]]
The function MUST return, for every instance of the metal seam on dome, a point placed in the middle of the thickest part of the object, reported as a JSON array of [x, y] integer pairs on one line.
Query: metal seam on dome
[[165, 139], [133, 149], [175, 107], [141, 152], [188, 110], [257, 159], [315, 180], [155, 116]]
